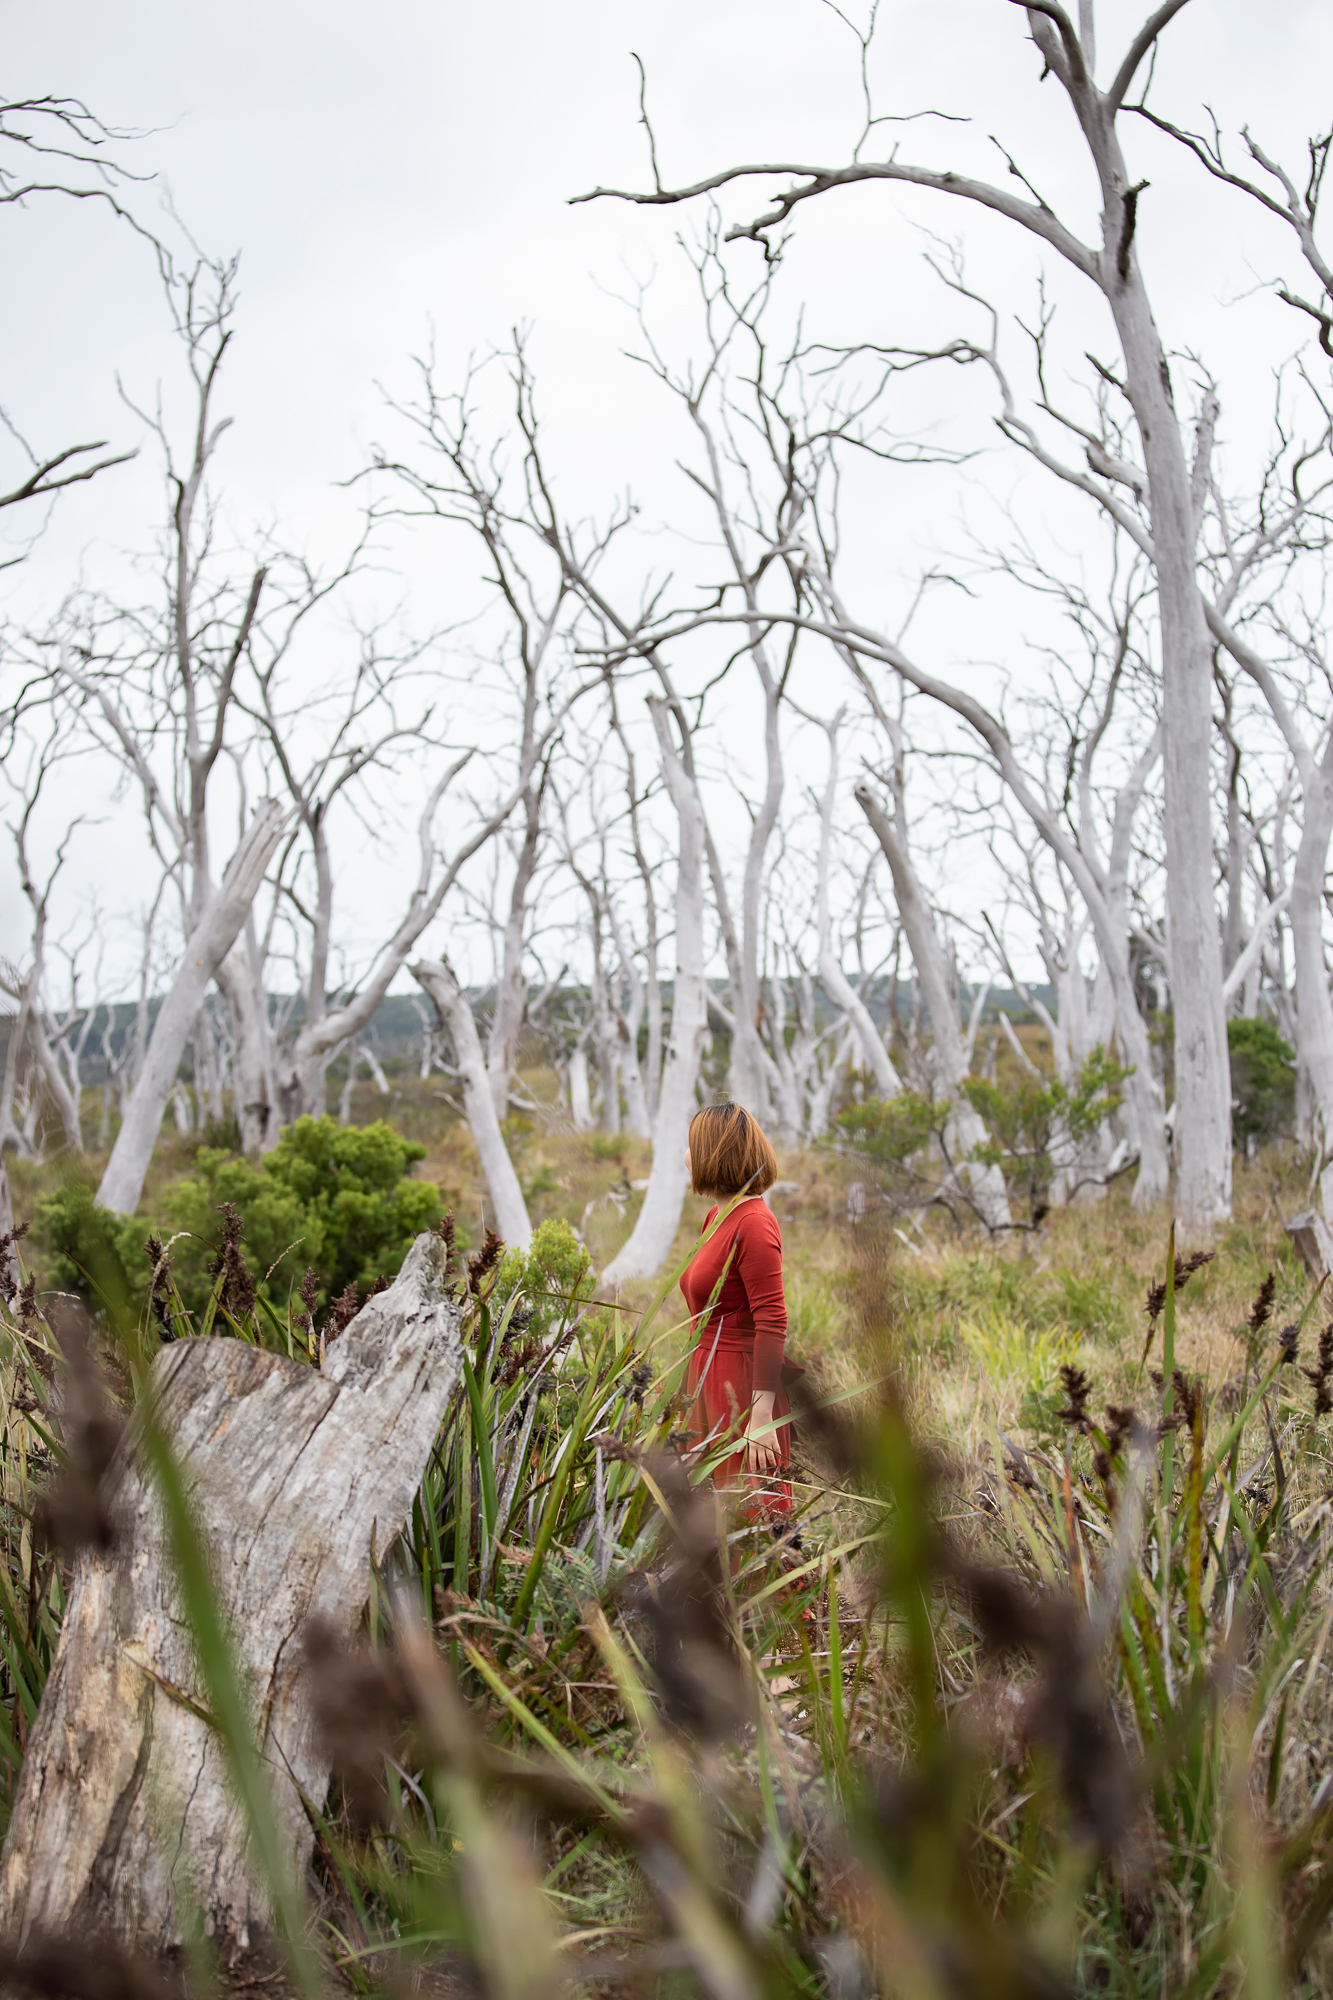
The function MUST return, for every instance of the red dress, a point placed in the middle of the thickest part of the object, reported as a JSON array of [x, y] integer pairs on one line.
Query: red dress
[[740, 1347]]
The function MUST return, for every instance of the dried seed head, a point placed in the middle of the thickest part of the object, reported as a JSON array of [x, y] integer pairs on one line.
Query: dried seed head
[[310, 1296], [1288, 1342], [159, 1298], [449, 1237], [9, 1242], [1183, 1271], [1189, 1394], [343, 1311], [237, 1295], [484, 1262], [1321, 1375], [1121, 1421], [518, 1360], [1077, 1388], [1262, 1309], [1187, 1266]]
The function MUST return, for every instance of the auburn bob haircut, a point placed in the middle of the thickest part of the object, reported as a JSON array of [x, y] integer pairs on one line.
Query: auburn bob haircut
[[729, 1155]]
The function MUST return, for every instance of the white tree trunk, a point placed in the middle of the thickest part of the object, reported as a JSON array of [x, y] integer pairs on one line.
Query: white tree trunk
[[655, 1230], [869, 1040], [836, 983], [57, 1089], [580, 1096], [213, 938], [1314, 1009], [949, 1061], [511, 992], [126, 1819], [436, 977], [252, 1062]]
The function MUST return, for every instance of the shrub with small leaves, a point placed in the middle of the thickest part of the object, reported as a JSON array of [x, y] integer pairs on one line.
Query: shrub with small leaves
[[550, 1279]]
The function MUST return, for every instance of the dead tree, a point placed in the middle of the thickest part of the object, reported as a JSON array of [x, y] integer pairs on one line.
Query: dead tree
[[453, 477], [56, 145], [436, 978], [950, 1056], [1068, 54], [659, 1218], [836, 984], [126, 1819], [142, 679]]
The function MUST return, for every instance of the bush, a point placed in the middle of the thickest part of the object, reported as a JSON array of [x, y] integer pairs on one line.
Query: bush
[[90, 1251], [1263, 1079], [554, 1270], [329, 1196], [891, 1128], [1037, 1126]]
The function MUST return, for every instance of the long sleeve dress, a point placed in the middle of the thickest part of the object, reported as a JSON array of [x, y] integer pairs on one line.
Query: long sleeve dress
[[740, 1343]]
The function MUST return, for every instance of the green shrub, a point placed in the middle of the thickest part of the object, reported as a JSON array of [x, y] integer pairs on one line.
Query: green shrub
[[332, 1197], [555, 1269], [891, 1128], [1036, 1126], [1263, 1079], [89, 1251]]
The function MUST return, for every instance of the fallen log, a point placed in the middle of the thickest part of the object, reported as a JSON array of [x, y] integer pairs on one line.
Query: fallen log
[[126, 1821]]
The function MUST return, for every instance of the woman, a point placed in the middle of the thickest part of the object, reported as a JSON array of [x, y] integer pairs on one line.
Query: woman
[[736, 1371]]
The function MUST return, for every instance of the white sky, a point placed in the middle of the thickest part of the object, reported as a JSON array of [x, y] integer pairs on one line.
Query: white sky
[[382, 170]]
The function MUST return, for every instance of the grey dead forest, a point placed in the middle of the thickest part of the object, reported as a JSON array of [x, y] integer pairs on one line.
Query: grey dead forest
[[905, 711]]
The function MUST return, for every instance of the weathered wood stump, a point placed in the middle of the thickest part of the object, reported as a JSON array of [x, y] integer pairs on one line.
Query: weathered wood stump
[[126, 1820], [1313, 1243]]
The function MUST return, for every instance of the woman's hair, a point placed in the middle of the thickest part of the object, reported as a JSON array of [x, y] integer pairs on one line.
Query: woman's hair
[[728, 1153]]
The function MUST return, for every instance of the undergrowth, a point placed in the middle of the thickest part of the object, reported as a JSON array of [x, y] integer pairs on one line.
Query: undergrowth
[[1037, 1704]]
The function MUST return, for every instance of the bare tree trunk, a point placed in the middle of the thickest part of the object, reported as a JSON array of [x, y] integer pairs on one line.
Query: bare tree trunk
[[511, 990], [57, 1089], [436, 978], [836, 983], [628, 1023], [126, 1818], [301, 1084], [949, 1061], [605, 1034], [658, 1220], [580, 1101], [252, 1063], [1314, 1008], [18, 1034], [122, 1183], [1203, 1075]]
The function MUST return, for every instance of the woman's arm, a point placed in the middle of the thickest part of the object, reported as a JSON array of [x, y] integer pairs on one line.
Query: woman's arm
[[762, 1453], [760, 1265]]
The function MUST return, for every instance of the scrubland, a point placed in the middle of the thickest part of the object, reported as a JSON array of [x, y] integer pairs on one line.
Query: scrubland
[[1038, 1703]]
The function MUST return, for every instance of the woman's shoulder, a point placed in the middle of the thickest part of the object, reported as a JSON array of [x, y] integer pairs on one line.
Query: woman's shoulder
[[758, 1220]]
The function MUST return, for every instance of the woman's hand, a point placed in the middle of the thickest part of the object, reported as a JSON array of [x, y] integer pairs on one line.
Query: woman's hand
[[762, 1454]]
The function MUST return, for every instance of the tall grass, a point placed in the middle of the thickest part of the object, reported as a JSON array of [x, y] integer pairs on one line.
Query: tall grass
[[1051, 1718]]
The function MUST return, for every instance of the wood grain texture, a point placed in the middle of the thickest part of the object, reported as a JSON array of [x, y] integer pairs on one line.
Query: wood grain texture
[[125, 1818]]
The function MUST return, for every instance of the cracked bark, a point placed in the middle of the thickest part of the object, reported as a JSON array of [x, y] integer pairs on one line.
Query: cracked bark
[[126, 1820]]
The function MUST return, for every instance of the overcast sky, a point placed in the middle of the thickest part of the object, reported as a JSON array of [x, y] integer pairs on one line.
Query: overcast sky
[[388, 170]]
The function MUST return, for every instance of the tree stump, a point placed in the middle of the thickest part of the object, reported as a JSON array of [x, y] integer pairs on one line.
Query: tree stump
[[1313, 1243], [126, 1820]]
